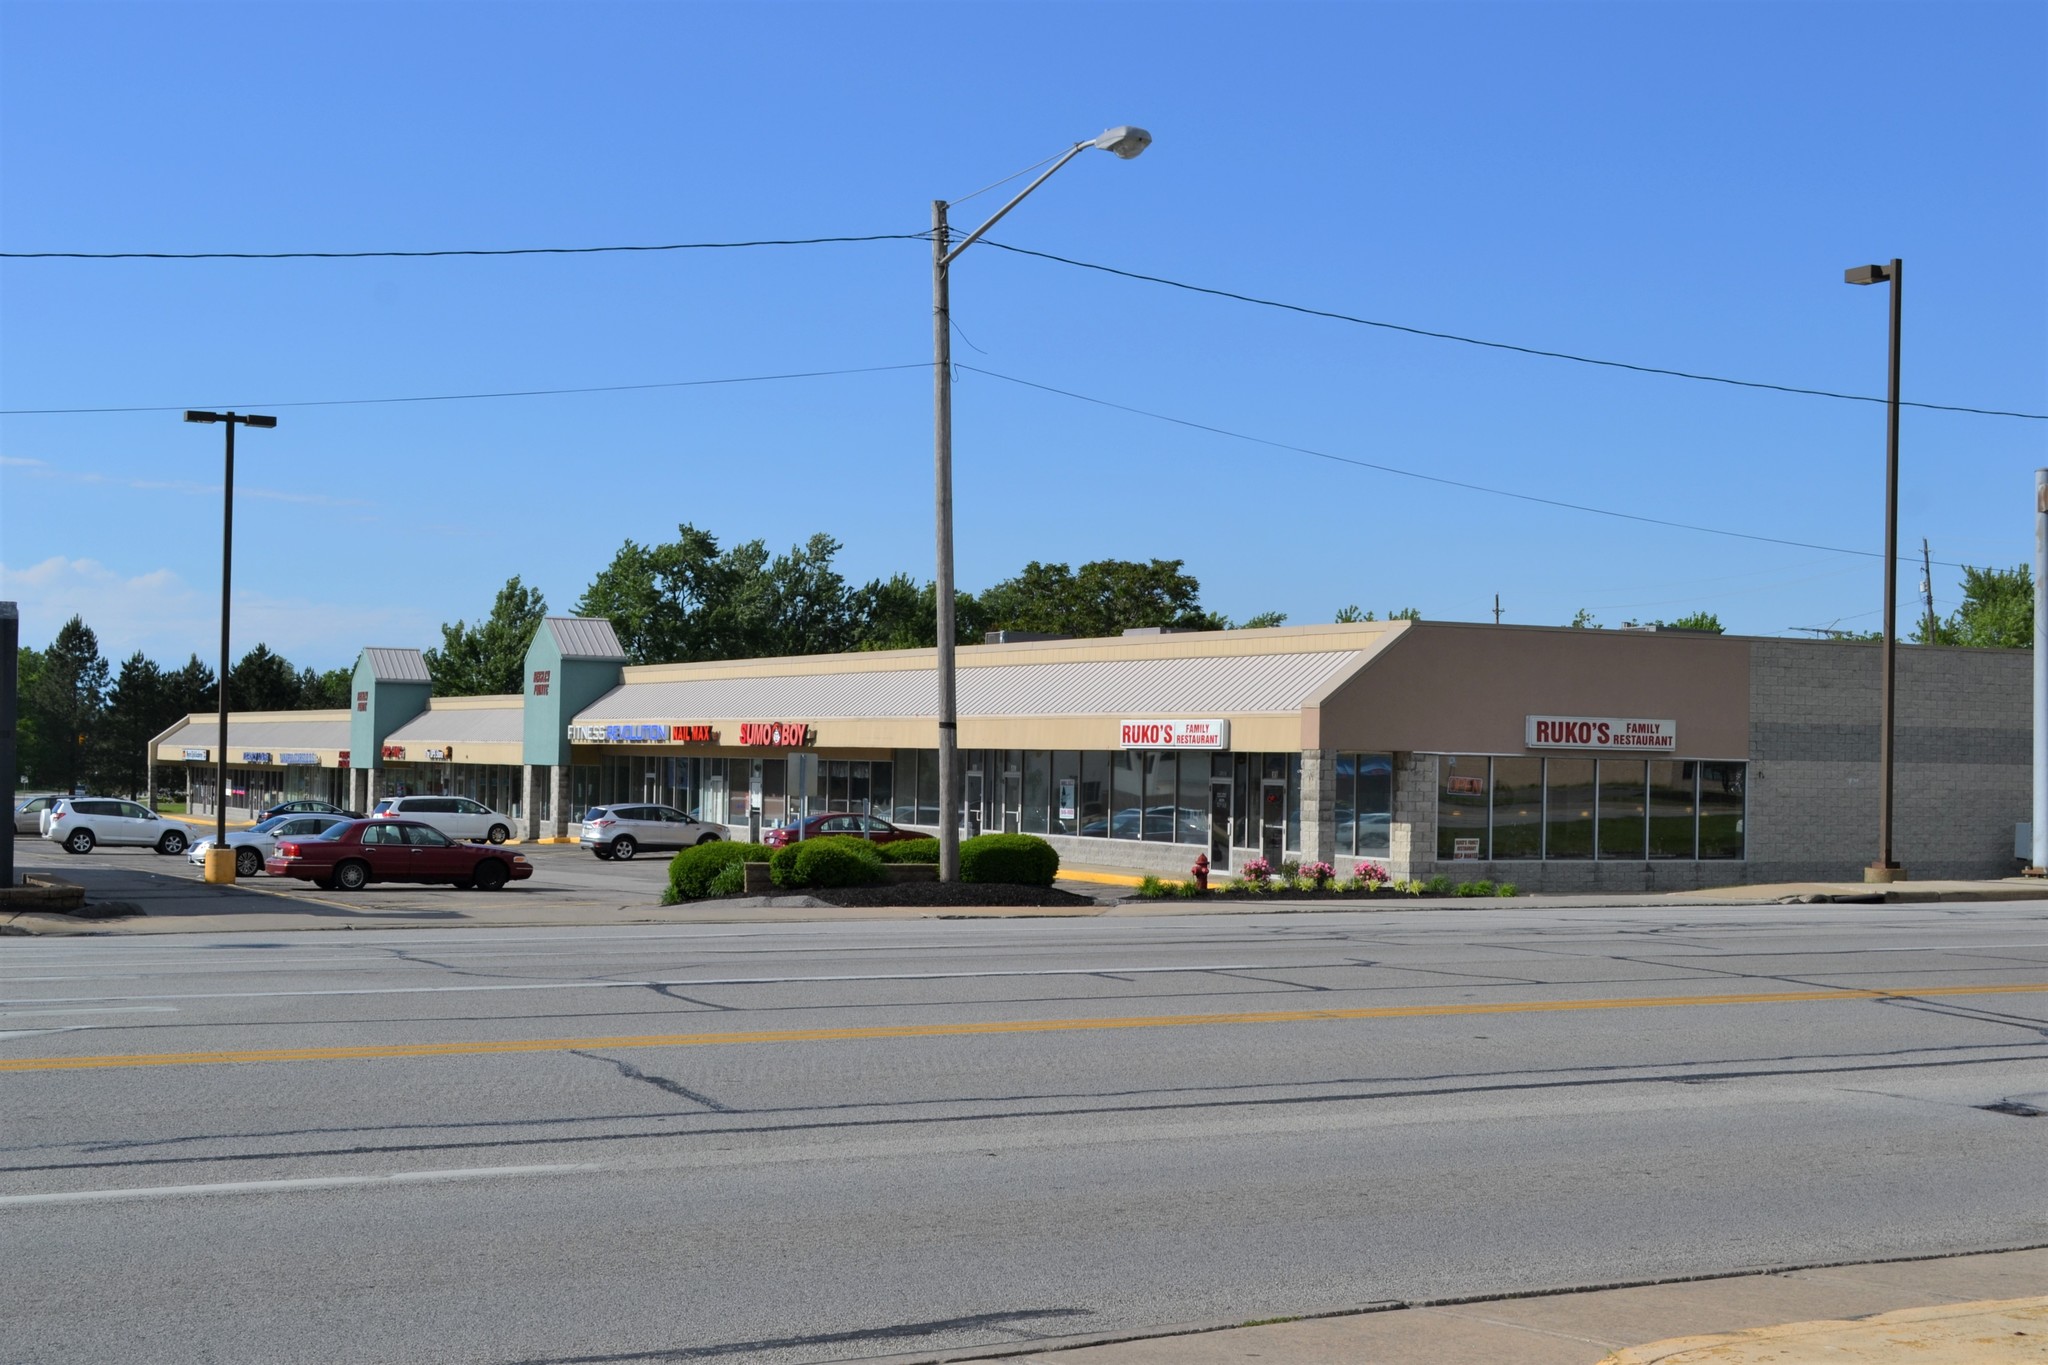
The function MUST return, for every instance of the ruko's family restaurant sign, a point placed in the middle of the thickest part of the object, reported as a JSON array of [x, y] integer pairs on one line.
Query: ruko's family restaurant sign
[[1173, 734], [1602, 732]]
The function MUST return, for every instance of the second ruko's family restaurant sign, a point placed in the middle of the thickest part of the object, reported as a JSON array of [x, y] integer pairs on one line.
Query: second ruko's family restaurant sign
[[1174, 734], [1602, 732], [666, 733]]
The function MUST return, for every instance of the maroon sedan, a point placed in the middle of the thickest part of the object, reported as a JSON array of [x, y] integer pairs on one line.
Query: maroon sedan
[[349, 856], [858, 826]]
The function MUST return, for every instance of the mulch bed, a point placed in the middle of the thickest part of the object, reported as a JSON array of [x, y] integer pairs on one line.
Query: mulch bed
[[943, 894]]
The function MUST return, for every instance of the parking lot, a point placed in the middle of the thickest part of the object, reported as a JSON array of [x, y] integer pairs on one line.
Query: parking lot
[[567, 883]]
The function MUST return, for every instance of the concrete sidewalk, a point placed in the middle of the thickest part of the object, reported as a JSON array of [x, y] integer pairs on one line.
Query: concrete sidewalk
[[1989, 1309]]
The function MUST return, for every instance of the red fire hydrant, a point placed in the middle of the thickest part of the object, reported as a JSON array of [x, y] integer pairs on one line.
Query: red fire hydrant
[[1201, 871]]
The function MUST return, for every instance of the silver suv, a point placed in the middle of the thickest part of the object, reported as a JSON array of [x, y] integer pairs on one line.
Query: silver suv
[[623, 830], [81, 822]]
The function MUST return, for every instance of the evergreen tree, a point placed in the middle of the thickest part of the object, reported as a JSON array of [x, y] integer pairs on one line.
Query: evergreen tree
[[68, 702], [191, 689], [263, 681], [138, 709]]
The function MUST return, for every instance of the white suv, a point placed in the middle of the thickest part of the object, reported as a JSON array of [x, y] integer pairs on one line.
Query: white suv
[[81, 822], [458, 817]]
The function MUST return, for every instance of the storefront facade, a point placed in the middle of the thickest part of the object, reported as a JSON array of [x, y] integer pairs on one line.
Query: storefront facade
[[1557, 759]]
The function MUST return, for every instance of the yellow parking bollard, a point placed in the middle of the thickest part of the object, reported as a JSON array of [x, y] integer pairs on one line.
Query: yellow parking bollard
[[220, 866]]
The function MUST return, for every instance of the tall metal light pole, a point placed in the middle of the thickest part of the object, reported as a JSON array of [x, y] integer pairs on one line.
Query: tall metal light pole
[[220, 859], [1886, 868], [1126, 142]]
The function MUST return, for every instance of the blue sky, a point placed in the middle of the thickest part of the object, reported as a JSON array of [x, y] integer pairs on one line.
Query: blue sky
[[1673, 185]]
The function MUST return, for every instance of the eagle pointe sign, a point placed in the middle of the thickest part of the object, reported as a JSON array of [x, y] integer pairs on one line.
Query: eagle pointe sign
[[1602, 732], [1174, 734]]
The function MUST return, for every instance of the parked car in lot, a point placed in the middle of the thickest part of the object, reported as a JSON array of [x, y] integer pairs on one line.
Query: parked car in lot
[[354, 853], [28, 811], [458, 817], [253, 846], [838, 822], [80, 823], [308, 806], [623, 830]]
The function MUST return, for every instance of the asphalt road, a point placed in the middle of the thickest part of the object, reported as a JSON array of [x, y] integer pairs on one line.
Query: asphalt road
[[809, 1142]]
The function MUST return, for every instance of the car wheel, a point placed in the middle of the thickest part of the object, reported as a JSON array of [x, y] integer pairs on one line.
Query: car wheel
[[708, 839], [173, 843], [79, 841], [603, 851], [624, 847], [351, 876], [248, 862], [492, 875], [499, 834], [324, 883], [464, 883]]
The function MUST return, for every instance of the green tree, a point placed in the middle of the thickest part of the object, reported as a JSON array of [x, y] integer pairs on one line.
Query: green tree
[[487, 659], [1106, 597], [68, 703], [1582, 619], [191, 688], [324, 691], [897, 613], [139, 707], [1699, 620], [1997, 611], [1264, 620], [35, 760], [263, 681]]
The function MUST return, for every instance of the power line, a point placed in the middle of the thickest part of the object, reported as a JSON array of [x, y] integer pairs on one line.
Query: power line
[[460, 397], [1429, 478], [1497, 345], [466, 251]]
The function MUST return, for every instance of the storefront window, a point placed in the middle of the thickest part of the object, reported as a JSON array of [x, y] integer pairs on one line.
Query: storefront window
[[882, 795], [1293, 803], [1461, 799], [1066, 792], [1673, 826], [1193, 824], [928, 787], [1517, 808], [1624, 808], [1037, 792], [1243, 782], [1568, 808], [1346, 801], [1375, 815], [1126, 808], [1721, 810], [1162, 797], [1095, 795], [582, 789]]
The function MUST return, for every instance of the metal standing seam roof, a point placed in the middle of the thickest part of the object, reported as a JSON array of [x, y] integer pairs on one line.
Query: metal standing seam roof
[[1255, 684], [586, 637], [262, 734], [465, 725], [398, 665]]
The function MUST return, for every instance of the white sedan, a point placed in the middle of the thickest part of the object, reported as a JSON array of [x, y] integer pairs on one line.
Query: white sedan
[[253, 846]]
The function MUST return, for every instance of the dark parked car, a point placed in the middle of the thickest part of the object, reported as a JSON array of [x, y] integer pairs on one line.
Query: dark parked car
[[858, 826], [352, 855], [308, 807]]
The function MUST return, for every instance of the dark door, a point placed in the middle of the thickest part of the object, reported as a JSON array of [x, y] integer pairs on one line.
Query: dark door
[[1219, 826], [431, 854], [1272, 821], [384, 849]]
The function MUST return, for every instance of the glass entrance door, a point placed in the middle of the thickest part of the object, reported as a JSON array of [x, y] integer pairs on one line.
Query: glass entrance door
[[1219, 826], [1272, 821], [973, 802], [1013, 795]]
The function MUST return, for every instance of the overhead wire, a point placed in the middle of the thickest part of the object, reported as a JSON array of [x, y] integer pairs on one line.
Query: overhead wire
[[1497, 345], [461, 397], [463, 251], [1428, 478]]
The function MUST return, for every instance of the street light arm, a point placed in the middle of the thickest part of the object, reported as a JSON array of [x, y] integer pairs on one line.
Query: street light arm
[[997, 217]]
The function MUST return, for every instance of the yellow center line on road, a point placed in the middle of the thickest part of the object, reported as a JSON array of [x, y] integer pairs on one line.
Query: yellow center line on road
[[995, 1027]]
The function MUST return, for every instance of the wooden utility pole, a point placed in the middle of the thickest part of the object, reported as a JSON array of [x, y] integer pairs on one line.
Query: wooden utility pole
[[1927, 585]]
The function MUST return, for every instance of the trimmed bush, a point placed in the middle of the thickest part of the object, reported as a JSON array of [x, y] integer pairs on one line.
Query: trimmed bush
[[691, 871], [1018, 859], [837, 862], [1508, 889], [910, 851], [1438, 885], [1150, 887], [730, 881], [1479, 888]]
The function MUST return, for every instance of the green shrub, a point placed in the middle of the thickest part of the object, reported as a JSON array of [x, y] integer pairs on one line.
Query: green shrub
[[838, 862], [690, 872], [910, 851], [730, 881], [1507, 889], [1478, 888], [1017, 859], [1187, 891], [1438, 885], [1151, 888], [794, 866]]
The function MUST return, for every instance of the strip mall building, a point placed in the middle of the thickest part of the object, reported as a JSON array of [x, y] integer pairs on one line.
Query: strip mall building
[[1559, 759]]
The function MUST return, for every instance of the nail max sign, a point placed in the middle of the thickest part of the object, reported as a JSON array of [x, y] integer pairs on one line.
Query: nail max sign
[[1602, 732]]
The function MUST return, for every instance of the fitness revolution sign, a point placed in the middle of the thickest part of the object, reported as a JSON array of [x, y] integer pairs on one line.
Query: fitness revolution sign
[[1602, 732]]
